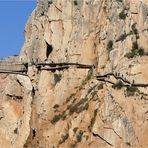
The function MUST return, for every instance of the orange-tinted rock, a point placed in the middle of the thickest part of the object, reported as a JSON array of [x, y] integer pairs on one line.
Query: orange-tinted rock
[[69, 107]]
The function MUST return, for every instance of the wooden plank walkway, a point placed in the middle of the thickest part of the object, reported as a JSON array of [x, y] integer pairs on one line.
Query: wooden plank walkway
[[62, 65], [18, 67], [13, 67]]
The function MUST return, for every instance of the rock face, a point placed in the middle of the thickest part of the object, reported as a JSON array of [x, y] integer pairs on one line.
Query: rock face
[[70, 107]]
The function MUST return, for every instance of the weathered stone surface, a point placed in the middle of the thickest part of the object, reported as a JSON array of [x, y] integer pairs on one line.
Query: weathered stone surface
[[15, 111], [69, 107]]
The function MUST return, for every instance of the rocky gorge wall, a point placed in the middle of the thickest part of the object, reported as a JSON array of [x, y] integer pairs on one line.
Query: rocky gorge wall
[[70, 107]]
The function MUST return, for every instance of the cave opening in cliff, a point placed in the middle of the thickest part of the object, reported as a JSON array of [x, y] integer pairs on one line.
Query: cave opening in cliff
[[48, 50]]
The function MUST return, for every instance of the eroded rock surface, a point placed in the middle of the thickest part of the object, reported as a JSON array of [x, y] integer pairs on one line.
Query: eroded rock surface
[[70, 107]]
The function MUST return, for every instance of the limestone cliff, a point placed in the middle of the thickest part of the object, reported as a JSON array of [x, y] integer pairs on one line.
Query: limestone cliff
[[104, 106]]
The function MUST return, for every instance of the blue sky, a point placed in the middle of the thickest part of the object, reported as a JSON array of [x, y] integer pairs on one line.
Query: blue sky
[[13, 17]]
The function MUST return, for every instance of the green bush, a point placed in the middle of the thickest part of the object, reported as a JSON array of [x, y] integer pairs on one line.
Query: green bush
[[135, 52], [57, 77], [129, 55], [64, 138], [122, 15], [58, 117], [118, 85], [73, 109], [70, 97], [79, 106], [89, 75], [141, 51], [131, 91], [79, 136]]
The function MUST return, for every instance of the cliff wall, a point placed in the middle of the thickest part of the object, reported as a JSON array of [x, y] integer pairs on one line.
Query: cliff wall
[[73, 107]]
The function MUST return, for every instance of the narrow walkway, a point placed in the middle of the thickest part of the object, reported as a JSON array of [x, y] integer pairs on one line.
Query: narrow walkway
[[60, 66], [13, 68], [124, 82], [22, 69]]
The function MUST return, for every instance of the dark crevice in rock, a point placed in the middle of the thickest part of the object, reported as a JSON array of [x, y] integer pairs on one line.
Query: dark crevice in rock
[[97, 135], [135, 30], [110, 45], [33, 133], [93, 120], [15, 97], [58, 8], [16, 131], [19, 82], [75, 2], [123, 14], [122, 37], [113, 131], [56, 106], [128, 143], [75, 129], [33, 91]]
